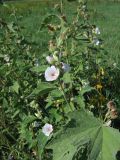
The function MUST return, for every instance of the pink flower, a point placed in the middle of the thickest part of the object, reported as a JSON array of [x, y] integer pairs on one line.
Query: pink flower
[[51, 73], [47, 129]]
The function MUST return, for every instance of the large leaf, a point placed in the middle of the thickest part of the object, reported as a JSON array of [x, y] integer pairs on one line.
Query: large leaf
[[43, 88], [67, 78], [39, 69], [85, 138], [42, 140]]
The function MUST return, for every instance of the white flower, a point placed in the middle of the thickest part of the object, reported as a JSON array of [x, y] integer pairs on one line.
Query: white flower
[[96, 42], [6, 58], [51, 73], [50, 59], [97, 31], [47, 129], [66, 67]]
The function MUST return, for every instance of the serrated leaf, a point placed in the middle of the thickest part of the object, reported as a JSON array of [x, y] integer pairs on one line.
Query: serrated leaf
[[43, 88], [86, 89], [56, 93], [42, 140], [55, 115], [39, 69], [80, 101], [85, 136], [25, 132]]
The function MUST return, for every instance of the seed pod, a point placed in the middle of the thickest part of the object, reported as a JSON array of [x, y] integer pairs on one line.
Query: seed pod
[[113, 114], [111, 105]]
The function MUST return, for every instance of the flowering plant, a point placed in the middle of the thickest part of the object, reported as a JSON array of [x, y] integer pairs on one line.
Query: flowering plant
[[52, 100]]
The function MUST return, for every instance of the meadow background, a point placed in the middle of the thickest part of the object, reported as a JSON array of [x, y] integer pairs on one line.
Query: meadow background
[[104, 13]]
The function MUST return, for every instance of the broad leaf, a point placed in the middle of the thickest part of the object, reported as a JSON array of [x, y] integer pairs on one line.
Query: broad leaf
[[85, 137], [86, 89], [66, 78], [43, 88], [56, 93], [80, 101], [39, 69], [41, 140]]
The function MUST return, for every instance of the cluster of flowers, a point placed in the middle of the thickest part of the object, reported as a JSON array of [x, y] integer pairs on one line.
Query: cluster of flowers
[[53, 72]]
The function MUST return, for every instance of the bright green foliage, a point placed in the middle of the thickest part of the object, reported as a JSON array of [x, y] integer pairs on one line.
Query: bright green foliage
[[15, 87], [110, 144], [25, 132], [85, 137], [42, 140], [43, 88]]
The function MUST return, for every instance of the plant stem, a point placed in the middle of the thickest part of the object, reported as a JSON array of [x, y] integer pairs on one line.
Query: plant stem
[[61, 7], [64, 95]]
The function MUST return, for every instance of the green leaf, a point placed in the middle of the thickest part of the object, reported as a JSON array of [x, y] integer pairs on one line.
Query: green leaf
[[67, 78], [11, 27], [43, 88], [15, 114], [56, 93], [2, 55], [86, 89], [85, 137], [25, 132], [80, 101], [15, 87], [39, 69], [110, 144], [5, 103], [42, 140], [55, 115], [80, 68]]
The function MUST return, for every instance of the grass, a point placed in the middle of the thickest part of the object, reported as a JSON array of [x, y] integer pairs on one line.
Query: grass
[[107, 17], [103, 13]]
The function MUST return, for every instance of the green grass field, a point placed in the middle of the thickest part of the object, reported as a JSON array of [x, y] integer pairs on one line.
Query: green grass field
[[106, 15]]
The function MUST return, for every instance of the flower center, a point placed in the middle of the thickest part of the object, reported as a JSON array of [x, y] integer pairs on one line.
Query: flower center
[[48, 129], [52, 74]]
